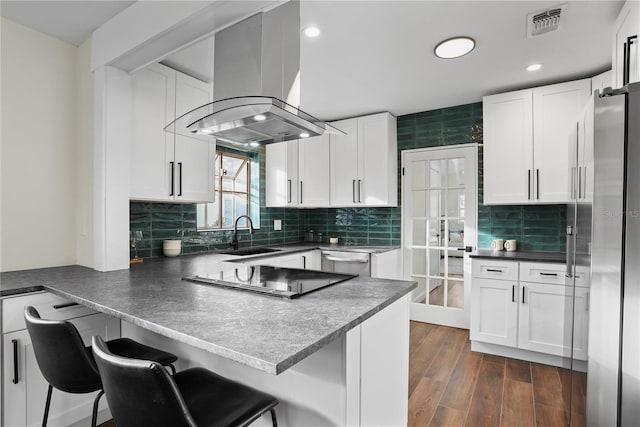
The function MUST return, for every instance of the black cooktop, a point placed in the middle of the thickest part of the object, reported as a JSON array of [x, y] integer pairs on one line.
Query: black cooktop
[[274, 281]]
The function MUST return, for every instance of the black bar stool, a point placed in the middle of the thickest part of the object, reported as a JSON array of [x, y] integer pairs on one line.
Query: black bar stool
[[140, 393], [69, 366]]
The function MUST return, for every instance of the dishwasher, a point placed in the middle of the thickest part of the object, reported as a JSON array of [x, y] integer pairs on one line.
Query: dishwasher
[[347, 262]]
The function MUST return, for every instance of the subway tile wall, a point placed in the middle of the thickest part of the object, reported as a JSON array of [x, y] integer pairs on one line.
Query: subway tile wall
[[537, 228]]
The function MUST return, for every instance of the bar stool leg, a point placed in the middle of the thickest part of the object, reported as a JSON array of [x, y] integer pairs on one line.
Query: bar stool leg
[[94, 415], [46, 406], [273, 417]]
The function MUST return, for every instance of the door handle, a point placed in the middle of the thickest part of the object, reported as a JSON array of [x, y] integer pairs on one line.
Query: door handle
[[289, 191], [304, 262], [513, 293], [466, 249], [524, 289], [300, 191], [549, 274], [528, 184], [353, 190], [180, 177], [494, 270], [173, 168], [68, 304], [15, 361], [579, 182], [360, 191], [537, 184]]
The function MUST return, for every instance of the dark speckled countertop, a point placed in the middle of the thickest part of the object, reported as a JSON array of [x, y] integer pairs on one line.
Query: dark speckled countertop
[[556, 257], [267, 333]]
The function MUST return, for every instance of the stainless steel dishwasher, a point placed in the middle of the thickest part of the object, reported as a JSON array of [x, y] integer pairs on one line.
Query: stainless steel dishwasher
[[347, 262]]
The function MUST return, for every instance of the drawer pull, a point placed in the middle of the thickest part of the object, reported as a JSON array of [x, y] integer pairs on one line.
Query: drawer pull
[[494, 270], [549, 274], [15, 361], [65, 305]]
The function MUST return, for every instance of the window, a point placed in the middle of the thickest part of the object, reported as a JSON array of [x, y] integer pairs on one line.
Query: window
[[233, 193]]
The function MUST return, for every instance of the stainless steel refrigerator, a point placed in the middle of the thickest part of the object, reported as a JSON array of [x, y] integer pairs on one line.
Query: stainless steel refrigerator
[[604, 236]]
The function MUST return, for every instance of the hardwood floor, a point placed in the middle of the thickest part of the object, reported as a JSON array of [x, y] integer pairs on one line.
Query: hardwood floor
[[449, 385]]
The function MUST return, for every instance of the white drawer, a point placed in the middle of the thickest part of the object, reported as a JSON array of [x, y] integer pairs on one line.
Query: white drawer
[[543, 272], [492, 269], [49, 306]]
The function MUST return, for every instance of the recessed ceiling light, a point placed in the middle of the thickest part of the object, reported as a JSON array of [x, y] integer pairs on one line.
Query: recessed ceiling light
[[304, 135], [311, 32], [533, 67], [259, 117], [454, 47], [254, 144], [208, 131]]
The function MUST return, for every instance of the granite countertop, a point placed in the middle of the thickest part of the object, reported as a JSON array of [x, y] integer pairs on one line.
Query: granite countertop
[[267, 333], [555, 257]]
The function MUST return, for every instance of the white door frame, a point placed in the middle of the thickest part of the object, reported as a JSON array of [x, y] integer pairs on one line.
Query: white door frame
[[437, 314]]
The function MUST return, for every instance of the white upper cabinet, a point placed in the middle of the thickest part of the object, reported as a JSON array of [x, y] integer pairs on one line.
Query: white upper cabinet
[[556, 108], [313, 171], [364, 162], [508, 147], [164, 166], [625, 59], [525, 134], [297, 173]]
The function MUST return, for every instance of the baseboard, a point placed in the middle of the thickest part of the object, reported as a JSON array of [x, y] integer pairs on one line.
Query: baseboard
[[530, 356]]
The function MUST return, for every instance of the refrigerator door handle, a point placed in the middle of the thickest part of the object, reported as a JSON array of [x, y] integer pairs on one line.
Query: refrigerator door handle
[[569, 272]]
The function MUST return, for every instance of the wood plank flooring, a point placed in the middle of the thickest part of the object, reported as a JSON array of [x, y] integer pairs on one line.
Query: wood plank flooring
[[449, 385]]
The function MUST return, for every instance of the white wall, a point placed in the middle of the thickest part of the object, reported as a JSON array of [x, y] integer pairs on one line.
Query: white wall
[[45, 142]]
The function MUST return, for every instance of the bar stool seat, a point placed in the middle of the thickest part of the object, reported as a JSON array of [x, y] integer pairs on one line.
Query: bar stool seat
[[68, 365], [140, 392]]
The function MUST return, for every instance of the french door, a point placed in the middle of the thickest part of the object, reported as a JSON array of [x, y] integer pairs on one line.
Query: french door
[[439, 220]]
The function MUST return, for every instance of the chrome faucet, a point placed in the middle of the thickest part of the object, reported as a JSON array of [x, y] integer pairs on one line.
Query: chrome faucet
[[234, 242]]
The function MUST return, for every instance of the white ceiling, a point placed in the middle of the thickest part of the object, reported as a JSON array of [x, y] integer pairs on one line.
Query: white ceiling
[[377, 55], [70, 21]]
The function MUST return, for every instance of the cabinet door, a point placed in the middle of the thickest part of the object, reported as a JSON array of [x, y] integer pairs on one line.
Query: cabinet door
[[191, 93], [377, 160], [24, 400], [314, 171], [581, 323], [194, 170], [626, 30], [494, 311], [344, 164], [544, 320], [508, 147], [556, 109], [153, 96], [277, 186]]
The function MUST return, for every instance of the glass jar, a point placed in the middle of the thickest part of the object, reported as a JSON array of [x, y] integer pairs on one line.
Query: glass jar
[[319, 237], [309, 236]]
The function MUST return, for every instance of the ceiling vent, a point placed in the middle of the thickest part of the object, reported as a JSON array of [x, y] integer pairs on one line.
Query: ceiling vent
[[545, 22]]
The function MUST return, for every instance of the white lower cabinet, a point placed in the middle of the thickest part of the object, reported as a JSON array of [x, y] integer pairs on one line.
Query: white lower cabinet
[[530, 315], [24, 389]]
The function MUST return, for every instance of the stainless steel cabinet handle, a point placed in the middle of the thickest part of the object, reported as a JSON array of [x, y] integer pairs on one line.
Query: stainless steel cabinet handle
[[360, 191], [524, 289], [180, 176], [538, 184], [579, 182], [65, 305], [529, 184], [353, 190], [173, 168], [289, 191], [15, 361], [573, 184]]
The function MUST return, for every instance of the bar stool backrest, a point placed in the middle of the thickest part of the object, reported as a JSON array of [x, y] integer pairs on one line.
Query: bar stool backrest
[[140, 392], [62, 357]]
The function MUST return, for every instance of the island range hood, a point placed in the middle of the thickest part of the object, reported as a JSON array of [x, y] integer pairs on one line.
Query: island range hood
[[256, 85]]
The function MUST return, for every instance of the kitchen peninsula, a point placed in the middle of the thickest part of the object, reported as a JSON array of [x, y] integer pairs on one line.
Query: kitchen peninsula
[[337, 356]]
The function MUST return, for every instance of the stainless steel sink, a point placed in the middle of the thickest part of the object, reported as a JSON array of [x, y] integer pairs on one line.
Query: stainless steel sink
[[250, 251]]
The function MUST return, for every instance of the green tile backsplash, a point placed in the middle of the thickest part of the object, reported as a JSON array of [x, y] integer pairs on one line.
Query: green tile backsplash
[[537, 228]]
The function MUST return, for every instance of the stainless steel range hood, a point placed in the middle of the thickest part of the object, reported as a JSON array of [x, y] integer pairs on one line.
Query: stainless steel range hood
[[257, 65]]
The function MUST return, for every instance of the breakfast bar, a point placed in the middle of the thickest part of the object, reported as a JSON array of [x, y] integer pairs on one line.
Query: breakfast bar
[[320, 353]]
